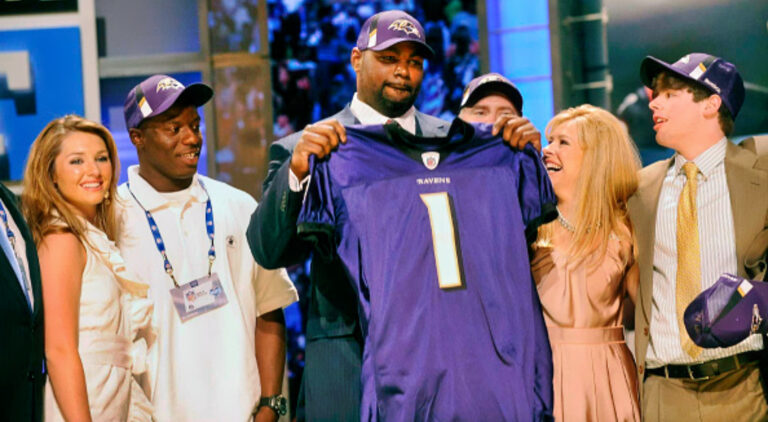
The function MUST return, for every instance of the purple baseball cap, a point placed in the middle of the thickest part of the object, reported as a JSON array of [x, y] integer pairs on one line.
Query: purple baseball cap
[[713, 73], [728, 312], [483, 85], [386, 29], [158, 93]]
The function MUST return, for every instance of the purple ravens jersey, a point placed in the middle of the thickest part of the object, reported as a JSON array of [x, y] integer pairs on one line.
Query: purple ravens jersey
[[432, 232]]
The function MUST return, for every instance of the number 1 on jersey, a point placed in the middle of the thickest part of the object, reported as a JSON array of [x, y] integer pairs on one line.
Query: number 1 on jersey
[[449, 273]]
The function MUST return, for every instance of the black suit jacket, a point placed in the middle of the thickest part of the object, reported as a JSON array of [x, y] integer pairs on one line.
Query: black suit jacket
[[22, 374], [331, 380]]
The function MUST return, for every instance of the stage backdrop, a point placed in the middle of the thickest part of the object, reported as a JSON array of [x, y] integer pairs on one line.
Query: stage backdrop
[[41, 77]]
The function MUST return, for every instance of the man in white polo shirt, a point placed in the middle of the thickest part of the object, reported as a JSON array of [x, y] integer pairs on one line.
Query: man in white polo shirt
[[220, 350]]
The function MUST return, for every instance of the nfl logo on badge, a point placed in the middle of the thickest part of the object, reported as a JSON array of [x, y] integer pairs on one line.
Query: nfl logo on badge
[[430, 159]]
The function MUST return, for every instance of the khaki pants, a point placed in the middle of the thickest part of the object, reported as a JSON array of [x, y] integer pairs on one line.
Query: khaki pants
[[733, 397]]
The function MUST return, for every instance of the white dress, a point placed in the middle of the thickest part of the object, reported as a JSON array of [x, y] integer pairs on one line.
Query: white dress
[[115, 326]]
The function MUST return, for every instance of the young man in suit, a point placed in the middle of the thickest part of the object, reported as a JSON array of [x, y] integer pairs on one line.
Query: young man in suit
[[22, 371], [388, 61], [695, 216]]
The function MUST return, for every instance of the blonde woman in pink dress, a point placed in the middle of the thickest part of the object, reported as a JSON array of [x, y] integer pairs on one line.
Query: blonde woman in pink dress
[[584, 266]]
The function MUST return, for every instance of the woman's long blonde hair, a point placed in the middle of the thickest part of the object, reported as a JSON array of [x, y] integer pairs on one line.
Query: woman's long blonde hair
[[42, 203], [607, 179]]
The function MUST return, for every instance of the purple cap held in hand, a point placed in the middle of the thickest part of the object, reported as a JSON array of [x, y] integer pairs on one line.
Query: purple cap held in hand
[[386, 29], [484, 85], [158, 93], [728, 312], [713, 73]]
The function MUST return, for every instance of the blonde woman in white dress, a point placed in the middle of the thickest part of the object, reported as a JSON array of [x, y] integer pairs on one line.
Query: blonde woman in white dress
[[97, 317]]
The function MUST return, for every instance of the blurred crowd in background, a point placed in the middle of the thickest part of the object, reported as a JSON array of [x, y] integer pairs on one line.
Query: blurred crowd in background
[[310, 43]]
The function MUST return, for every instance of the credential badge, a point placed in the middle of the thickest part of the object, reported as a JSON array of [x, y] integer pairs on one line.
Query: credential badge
[[430, 159]]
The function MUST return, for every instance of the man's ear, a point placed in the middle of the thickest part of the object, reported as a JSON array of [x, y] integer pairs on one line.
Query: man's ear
[[712, 105], [137, 138], [356, 58]]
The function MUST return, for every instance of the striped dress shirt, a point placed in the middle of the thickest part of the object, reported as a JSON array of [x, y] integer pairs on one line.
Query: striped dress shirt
[[718, 254]]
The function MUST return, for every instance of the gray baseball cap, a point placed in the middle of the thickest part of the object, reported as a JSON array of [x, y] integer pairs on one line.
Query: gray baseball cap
[[482, 85]]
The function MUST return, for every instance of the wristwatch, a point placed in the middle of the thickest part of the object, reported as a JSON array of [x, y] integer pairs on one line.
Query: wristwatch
[[276, 403]]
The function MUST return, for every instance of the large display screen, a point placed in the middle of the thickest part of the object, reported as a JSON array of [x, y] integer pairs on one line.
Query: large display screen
[[41, 78]]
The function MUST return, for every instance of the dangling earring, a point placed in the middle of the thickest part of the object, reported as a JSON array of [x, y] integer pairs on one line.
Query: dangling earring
[[106, 198]]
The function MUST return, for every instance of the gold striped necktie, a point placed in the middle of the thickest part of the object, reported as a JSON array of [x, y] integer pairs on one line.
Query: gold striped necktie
[[688, 281]]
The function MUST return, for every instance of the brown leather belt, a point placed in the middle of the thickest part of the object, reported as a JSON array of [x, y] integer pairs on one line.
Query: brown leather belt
[[706, 370]]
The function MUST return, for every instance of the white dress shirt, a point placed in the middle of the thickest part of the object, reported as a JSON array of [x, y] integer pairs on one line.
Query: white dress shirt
[[717, 242], [17, 257], [203, 369], [366, 115]]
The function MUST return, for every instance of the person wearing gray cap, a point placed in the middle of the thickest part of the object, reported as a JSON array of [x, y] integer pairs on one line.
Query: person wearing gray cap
[[697, 214], [494, 99], [489, 96], [388, 61], [220, 349]]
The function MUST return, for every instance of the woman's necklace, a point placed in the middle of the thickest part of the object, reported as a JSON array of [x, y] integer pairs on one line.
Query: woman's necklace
[[564, 222]]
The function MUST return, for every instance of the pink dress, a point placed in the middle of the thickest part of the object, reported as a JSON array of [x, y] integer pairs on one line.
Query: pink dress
[[594, 372]]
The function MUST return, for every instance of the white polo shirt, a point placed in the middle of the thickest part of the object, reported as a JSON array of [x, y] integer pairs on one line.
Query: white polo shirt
[[203, 369]]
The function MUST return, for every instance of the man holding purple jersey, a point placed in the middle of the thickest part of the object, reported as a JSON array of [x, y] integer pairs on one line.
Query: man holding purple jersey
[[434, 236], [388, 61]]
